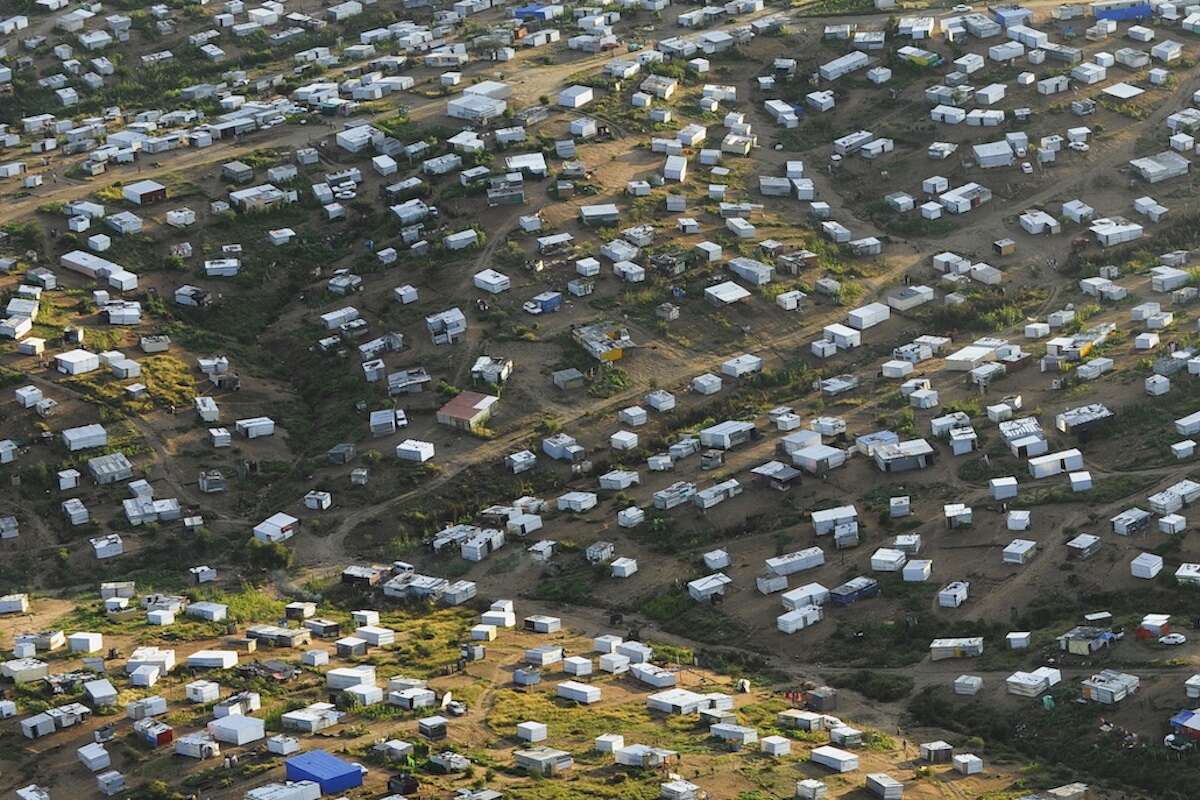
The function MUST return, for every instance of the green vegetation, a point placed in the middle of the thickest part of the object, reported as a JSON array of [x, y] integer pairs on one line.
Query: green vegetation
[[1104, 490], [665, 535], [909, 224], [565, 722], [24, 235], [676, 612], [268, 555], [609, 380], [1177, 233], [135, 84], [882, 686], [248, 604], [10, 377], [1143, 433], [571, 584], [168, 381], [826, 8], [987, 310], [427, 639], [1069, 735], [873, 643]]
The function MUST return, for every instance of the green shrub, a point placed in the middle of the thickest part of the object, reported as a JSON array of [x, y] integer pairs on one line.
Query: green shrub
[[268, 555], [885, 687]]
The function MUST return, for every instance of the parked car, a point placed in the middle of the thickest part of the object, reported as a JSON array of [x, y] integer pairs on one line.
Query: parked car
[[1172, 639]]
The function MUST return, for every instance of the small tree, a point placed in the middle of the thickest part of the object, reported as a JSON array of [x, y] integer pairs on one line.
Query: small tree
[[268, 555]]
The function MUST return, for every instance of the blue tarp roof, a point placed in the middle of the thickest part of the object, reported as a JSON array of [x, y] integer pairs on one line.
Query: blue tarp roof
[[1139, 11], [332, 773]]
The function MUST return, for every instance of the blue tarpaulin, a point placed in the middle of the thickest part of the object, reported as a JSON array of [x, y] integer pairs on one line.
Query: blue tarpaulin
[[1140, 11], [531, 12], [1180, 721], [330, 772]]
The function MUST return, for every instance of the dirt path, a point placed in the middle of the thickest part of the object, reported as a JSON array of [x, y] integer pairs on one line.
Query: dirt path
[[45, 611]]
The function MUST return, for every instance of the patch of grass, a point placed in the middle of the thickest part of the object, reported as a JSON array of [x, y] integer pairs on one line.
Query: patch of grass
[[427, 639], [1104, 491], [168, 380], [569, 722], [248, 604]]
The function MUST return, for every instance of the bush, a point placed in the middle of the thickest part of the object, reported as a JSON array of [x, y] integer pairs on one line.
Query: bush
[[572, 586], [155, 790], [674, 611], [881, 686], [609, 381], [268, 555], [10, 377], [1067, 736]]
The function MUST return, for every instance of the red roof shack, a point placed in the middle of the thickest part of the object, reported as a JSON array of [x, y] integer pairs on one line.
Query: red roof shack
[[468, 411]]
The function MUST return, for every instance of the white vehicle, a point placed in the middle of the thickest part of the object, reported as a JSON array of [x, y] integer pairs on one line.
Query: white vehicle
[[1172, 639]]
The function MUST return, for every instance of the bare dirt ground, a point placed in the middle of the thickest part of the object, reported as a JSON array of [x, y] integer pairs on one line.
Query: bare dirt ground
[[696, 343]]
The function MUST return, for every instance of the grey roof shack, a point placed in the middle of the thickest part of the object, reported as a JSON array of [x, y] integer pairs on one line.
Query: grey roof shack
[[110, 468], [567, 379], [237, 171]]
